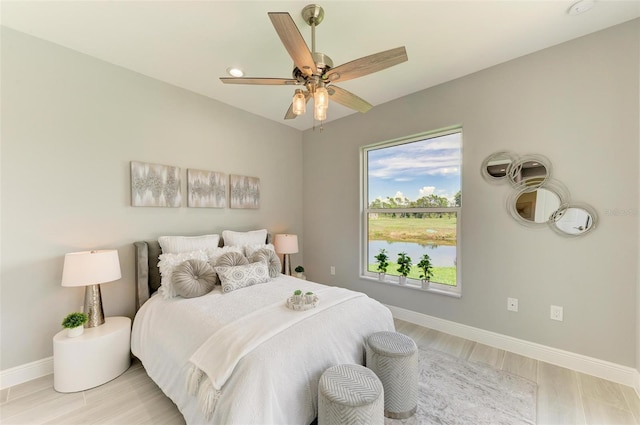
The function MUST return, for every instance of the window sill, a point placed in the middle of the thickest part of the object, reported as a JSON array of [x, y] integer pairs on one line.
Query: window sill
[[439, 289]]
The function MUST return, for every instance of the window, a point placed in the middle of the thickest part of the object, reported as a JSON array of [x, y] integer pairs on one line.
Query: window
[[411, 201]]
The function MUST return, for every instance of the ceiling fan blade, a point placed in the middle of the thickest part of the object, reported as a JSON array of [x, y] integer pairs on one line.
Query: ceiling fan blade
[[293, 41], [368, 65], [259, 81], [348, 99], [290, 115]]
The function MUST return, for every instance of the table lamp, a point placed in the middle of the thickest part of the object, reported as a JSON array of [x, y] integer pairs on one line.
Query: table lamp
[[90, 269], [286, 244]]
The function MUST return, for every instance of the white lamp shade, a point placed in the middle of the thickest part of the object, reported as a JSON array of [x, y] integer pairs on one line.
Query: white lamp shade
[[286, 244], [91, 267]]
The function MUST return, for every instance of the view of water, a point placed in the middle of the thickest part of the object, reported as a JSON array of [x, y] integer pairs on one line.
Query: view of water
[[441, 255]]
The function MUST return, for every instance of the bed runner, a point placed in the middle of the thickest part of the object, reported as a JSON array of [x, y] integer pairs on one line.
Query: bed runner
[[215, 360]]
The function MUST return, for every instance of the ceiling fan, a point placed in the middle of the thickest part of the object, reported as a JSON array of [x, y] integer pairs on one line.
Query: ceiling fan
[[315, 71]]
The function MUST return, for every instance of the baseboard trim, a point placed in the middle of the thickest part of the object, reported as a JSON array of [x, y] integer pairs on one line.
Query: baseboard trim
[[601, 368], [26, 372]]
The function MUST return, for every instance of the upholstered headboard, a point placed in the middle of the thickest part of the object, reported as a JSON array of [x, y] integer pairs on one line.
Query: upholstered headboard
[[147, 272]]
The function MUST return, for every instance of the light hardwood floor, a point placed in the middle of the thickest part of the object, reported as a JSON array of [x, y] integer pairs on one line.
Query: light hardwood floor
[[564, 396]]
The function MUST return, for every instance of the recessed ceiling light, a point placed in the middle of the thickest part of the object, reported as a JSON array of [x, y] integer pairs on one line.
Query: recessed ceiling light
[[580, 7], [235, 72]]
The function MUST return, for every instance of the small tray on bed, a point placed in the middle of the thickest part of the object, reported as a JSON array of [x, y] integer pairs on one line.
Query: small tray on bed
[[302, 305]]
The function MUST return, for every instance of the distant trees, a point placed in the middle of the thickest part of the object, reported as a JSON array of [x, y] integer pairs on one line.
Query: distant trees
[[429, 201]]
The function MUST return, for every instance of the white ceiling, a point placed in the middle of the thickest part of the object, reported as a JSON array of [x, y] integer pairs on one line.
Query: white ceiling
[[191, 43]]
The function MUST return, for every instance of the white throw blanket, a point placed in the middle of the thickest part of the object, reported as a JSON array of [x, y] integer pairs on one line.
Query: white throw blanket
[[213, 363]]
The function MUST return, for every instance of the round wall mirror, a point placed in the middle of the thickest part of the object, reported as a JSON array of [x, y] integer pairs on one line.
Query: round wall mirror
[[573, 219], [495, 167], [531, 171], [534, 207]]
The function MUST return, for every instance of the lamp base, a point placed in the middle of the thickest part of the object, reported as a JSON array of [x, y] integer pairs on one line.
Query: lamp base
[[286, 266], [93, 306]]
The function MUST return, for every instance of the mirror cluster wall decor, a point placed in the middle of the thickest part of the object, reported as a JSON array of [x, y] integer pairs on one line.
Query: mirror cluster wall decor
[[537, 199]]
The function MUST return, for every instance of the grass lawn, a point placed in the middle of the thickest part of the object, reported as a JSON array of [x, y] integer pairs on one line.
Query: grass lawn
[[438, 230]]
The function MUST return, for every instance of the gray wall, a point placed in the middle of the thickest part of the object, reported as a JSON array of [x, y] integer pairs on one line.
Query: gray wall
[[70, 126], [576, 103]]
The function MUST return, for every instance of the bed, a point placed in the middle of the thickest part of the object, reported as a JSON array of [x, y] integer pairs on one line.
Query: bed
[[273, 382]]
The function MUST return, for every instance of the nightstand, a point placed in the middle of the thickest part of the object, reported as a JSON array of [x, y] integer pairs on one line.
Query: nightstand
[[97, 356]]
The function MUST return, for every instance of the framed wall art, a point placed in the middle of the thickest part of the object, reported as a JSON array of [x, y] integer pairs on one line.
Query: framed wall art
[[206, 189], [244, 191], [155, 185]]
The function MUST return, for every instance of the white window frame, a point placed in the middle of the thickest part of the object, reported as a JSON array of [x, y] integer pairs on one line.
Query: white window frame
[[455, 291]]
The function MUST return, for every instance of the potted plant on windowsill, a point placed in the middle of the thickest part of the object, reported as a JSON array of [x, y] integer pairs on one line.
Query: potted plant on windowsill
[[74, 324], [426, 270], [381, 260], [404, 267]]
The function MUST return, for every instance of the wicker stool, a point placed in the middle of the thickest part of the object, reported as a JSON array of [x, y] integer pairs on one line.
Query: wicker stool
[[394, 358], [350, 394]]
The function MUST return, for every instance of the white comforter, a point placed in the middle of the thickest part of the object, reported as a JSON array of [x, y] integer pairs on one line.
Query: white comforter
[[276, 383]]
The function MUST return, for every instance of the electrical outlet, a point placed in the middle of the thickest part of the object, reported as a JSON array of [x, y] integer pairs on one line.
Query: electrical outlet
[[512, 304], [556, 313], [333, 270]]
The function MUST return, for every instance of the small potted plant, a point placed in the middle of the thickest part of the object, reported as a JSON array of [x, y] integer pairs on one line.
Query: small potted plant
[[426, 270], [300, 272], [404, 267], [308, 298], [297, 296], [381, 260], [74, 324]]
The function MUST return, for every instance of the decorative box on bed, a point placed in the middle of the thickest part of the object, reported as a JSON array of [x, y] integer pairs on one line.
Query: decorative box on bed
[[243, 357]]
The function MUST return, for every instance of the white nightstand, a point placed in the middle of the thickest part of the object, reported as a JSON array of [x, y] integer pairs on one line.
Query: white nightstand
[[97, 356]]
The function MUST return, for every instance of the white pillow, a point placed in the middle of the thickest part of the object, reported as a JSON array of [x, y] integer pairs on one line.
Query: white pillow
[[249, 250], [176, 244], [237, 277], [253, 237], [168, 262]]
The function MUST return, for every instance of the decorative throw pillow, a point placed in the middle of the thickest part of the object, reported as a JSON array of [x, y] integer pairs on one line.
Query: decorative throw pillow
[[271, 258], [237, 277], [231, 259], [177, 244], [168, 262], [215, 253], [252, 237], [193, 278], [250, 249]]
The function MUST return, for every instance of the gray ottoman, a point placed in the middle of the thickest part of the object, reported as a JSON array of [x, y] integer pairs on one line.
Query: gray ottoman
[[394, 358], [350, 394]]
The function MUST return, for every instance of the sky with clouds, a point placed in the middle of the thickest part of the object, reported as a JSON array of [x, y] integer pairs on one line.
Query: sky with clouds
[[416, 169]]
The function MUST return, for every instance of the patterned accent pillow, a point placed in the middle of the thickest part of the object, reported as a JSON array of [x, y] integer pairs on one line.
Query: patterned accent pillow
[[271, 258], [237, 277], [168, 262], [193, 278]]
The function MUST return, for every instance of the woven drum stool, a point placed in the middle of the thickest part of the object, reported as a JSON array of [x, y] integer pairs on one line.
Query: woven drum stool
[[350, 394], [394, 358]]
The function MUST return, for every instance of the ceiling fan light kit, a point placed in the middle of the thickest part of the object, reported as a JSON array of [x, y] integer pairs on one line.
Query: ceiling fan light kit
[[315, 71]]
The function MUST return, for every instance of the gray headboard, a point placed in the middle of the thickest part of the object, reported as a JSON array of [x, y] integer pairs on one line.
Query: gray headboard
[[147, 272]]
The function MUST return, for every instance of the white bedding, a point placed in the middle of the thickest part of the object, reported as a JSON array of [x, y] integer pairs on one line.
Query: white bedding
[[276, 383]]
